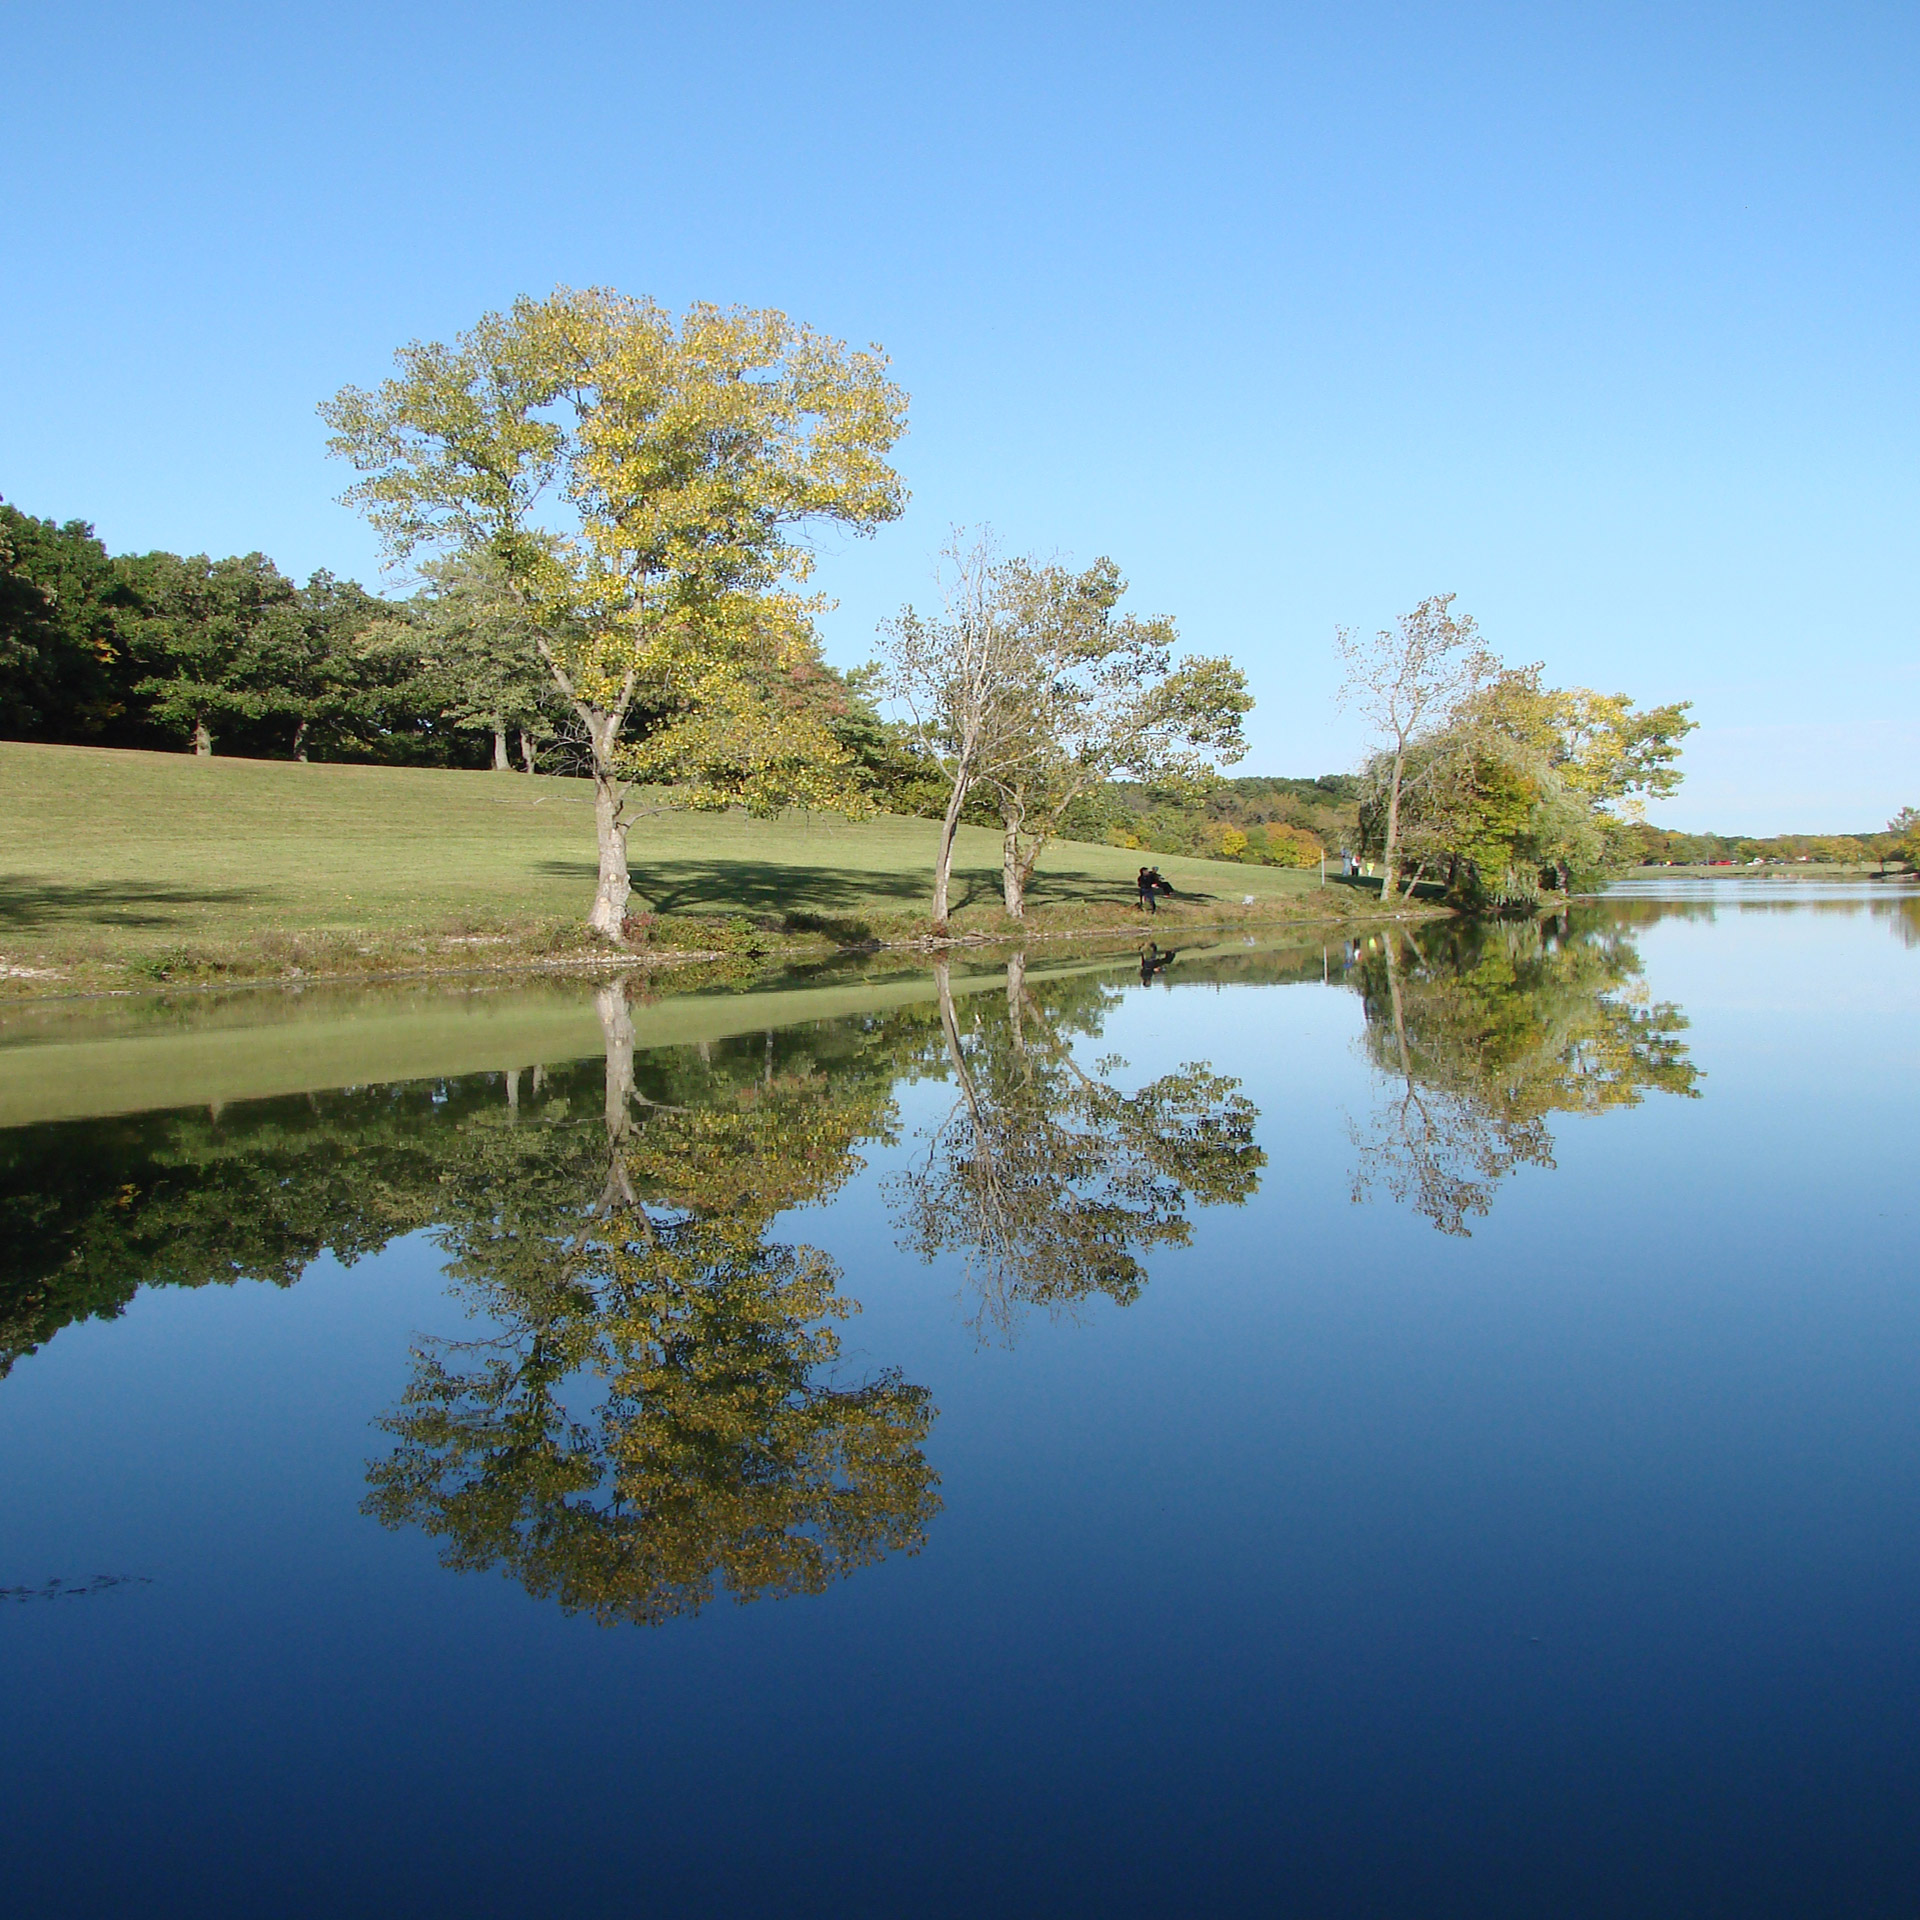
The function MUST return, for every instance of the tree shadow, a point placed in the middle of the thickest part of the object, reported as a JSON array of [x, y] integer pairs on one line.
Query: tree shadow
[[772, 886], [28, 904]]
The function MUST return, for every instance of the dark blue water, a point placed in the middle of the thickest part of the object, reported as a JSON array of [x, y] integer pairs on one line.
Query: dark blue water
[[1536, 1533]]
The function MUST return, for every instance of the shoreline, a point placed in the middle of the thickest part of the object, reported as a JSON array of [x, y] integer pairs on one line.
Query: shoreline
[[296, 959]]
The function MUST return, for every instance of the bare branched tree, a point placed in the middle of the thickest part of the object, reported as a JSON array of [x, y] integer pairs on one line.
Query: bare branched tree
[[1407, 684], [957, 679], [1034, 688]]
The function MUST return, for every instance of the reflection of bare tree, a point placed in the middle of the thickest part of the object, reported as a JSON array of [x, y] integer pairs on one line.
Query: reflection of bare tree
[[654, 1417], [1049, 1182], [1480, 1034]]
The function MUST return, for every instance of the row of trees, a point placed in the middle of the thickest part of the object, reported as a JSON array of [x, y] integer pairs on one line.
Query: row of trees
[[609, 509], [1489, 779], [1899, 841], [163, 650], [624, 493]]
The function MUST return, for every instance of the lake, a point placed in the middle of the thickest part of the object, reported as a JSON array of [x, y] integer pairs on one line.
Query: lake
[[1423, 1426]]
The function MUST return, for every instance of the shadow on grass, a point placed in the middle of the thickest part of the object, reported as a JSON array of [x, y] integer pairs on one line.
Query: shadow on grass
[[769, 886], [28, 904]]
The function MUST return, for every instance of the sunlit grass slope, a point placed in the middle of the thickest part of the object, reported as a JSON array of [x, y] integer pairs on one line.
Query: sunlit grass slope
[[149, 849]]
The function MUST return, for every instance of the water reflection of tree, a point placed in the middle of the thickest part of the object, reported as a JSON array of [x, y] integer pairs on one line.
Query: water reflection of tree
[[1481, 1032], [91, 1211], [1049, 1182], [629, 1267]]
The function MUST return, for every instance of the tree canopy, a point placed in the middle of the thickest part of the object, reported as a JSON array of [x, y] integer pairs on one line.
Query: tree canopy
[[1033, 688], [637, 479], [1489, 779]]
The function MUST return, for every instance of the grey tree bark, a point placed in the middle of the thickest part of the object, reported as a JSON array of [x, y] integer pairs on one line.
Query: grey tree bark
[[943, 860], [1393, 824], [603, 727], [1013, 876]]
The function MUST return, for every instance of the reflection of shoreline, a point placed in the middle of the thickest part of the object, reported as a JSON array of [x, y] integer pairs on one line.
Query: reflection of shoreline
[[79, 1061], [1639, 903], [1479, 1031], [653, 1412]]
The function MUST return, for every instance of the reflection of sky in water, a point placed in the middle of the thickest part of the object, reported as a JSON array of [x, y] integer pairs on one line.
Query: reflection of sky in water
[[1352, 1568]]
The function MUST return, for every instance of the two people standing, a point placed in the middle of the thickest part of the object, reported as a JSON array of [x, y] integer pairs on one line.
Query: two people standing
[[1152, 886]]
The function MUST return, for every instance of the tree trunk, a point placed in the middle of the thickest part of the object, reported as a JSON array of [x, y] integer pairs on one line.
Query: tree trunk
[[526, 750], [501, 764], [1393, 827], [610, 827], [1013, 877], [1016, 1000], [300, 741], [943, 860], [610, 897], [202, 739]]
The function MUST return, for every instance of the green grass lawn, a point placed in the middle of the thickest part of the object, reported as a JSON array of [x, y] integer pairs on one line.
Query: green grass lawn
[[107, 856]]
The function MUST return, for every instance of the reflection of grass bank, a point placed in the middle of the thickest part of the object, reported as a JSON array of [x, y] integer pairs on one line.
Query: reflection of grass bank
[[127, 871], [63, 1059]]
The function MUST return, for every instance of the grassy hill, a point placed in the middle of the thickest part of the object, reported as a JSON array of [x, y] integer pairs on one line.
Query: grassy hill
[[163, 864]]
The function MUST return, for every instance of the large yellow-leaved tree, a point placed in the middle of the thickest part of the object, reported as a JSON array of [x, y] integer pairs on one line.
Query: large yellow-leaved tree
[[637, 479]]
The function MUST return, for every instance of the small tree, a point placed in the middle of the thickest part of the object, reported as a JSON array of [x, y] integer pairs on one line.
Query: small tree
[[1036, 689], [1102, 698], [1406, 683], [635, 478], [1519, 780], [957, 679], [1905, 827]]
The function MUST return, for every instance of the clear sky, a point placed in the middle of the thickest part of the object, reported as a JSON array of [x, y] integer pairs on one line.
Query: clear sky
[[1601, 316]]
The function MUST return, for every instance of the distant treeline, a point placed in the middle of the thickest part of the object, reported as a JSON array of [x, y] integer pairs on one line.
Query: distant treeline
[[1661, 846], [162, 650], [168, 651], [1260, 820], [185, 652]]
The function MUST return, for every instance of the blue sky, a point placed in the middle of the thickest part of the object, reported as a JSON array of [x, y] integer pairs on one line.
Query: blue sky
[[1602, 317]]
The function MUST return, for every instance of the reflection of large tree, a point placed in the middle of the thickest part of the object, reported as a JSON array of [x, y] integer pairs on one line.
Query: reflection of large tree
[[1479, 1033], [654, 1416], [1049, 1182]]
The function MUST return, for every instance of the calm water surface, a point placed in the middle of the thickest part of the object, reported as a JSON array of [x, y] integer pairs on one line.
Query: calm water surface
[[1428, 1428]]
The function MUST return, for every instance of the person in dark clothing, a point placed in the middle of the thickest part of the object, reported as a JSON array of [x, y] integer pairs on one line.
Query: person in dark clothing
[[1149, 884]]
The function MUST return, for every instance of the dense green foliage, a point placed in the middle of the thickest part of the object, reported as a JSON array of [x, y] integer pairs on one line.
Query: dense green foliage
[[160, 650], [1515, 787]]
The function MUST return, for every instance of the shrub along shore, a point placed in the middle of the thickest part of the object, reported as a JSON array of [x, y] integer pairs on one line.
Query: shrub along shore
[[122, 871]]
